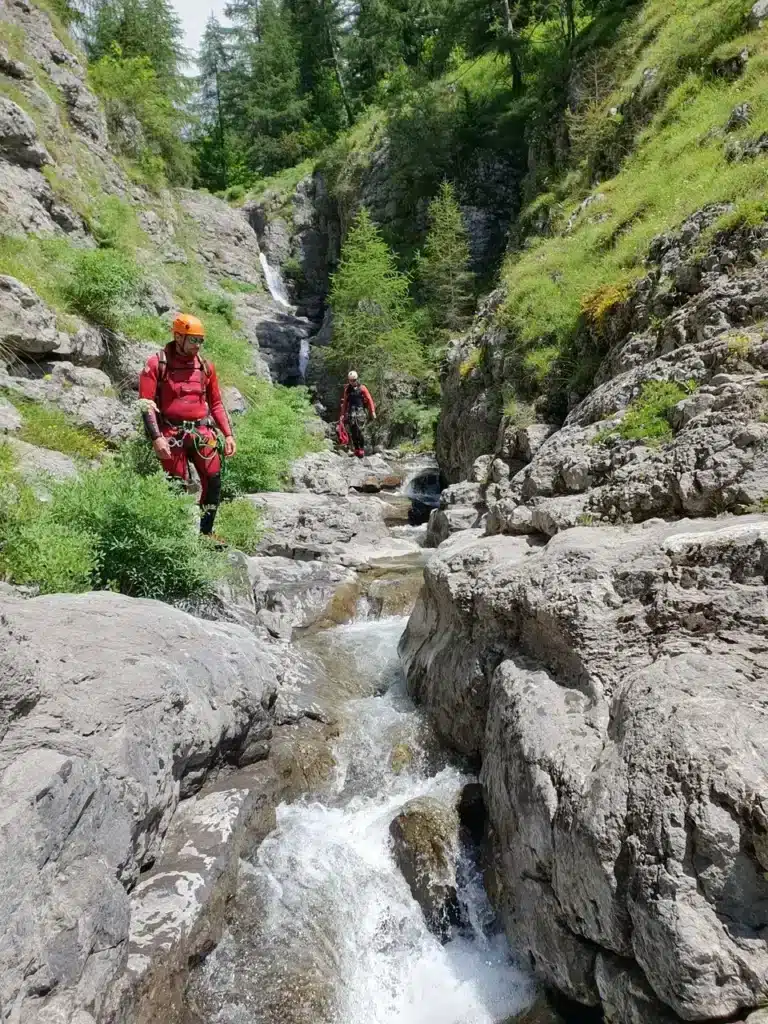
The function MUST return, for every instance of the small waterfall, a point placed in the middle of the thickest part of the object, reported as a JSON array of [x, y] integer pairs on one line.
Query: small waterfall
[[275, 282], [304, 358], [330, 933]]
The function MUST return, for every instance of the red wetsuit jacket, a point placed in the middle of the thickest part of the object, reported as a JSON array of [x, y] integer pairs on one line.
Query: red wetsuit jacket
[[186, 388], [348, 400]]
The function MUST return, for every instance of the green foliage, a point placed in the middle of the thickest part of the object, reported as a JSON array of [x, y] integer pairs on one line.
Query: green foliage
[[518, 413], [239, 523], [471, 363], [134, 94], [443, 267], [647, 418], [112, 528], [115, 225], [373, 316], [47, 554], [670, 162], [229, 284], [414, 424], [270, 435], [102, 282], [145, 327], [48, 427]]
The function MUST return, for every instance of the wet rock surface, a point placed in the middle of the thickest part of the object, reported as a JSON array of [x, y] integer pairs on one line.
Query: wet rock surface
[[425, 837], [610, 681]]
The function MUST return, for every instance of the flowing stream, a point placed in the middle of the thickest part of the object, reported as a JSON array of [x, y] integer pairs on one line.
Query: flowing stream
[[327, 931]]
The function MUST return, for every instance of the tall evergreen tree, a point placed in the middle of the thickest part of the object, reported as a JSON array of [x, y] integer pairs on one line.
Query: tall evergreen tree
[[443, 267], [373, 320], [210, 143]]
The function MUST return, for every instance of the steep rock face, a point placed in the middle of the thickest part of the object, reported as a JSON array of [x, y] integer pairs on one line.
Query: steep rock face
[[693, 320], [612, 683], [89, 784]]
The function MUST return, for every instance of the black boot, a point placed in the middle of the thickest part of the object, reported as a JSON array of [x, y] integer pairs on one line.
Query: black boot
[[211, 507]]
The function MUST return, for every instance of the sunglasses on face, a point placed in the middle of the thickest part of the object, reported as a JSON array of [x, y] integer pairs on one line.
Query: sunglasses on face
[[194, 340]]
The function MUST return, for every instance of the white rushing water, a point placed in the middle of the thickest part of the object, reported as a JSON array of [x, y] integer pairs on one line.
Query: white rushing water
[[304, 358], [337, 937], [275, 282]]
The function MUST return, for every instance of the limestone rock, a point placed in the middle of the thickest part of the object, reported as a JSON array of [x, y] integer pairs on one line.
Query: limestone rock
[[294, 593], [425, 837], [759, 14], [10, 417], [610, 681], [85, 393], [113, 711], [27, 325], [19, 143]]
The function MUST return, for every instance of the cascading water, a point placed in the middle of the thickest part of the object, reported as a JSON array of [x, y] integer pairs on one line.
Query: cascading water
[[304, 358], [327, 931], [275, 282]]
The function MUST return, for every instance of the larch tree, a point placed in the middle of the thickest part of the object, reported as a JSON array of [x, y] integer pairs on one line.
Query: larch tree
[[444, 264]]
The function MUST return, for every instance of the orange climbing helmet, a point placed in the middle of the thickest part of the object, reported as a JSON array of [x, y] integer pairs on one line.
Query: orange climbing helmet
[[188, 326]]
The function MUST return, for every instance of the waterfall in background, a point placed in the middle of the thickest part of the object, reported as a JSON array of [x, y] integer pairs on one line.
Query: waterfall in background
[[275, 282]]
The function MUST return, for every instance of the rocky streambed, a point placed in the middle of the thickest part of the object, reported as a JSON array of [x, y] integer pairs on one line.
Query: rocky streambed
[[205, 820]]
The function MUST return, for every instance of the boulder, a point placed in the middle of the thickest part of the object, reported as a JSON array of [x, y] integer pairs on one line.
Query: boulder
[[19, 143], [307, 526], [27, 325], [759, 14], [113, 711], [610, 682], [84, 393], [425, 838], [292, 594], [10, 417]]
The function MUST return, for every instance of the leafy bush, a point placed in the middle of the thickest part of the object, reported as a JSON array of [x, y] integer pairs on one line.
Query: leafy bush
[[49, 427], [412, 422], [54, 557], [647, 418], [132, 91], [111, 529], [144, 327], [101, 284], [114, 225], [269, 436], [239, 524]]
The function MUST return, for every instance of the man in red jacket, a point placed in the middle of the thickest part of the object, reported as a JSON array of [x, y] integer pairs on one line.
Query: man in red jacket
[[356, 406], [182, 406]]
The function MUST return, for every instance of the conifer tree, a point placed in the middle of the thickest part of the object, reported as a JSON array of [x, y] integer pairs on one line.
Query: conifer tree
[[372, 314], [213, 108], [443, 266]]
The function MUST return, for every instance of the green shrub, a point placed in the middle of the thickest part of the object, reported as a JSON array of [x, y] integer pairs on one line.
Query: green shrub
[[414, 423], [114, 225], [239, 524], [647, 418], [471, 363], [218, 305], [49, 427], [143, 327], [145, 533], [101, 284], [270, 435], [50, 555]]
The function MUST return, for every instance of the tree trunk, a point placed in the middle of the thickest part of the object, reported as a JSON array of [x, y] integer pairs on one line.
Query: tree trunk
[[514, 57]]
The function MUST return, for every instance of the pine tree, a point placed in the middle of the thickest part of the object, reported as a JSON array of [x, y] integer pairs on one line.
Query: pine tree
[[373, 330], [210, 143], [443, 266]]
